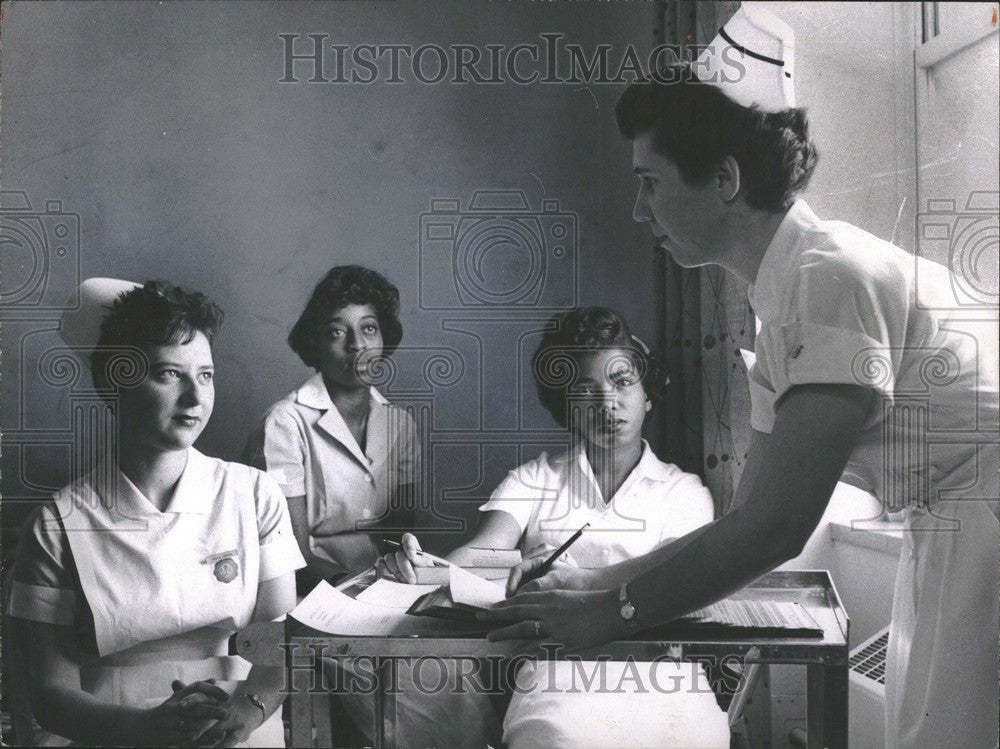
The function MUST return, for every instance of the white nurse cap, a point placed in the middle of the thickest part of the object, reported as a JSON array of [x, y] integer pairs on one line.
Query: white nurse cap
[[764, 46], [81, 325]]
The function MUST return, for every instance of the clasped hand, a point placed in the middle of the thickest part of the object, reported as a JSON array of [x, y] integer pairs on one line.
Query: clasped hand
[[198, 714]]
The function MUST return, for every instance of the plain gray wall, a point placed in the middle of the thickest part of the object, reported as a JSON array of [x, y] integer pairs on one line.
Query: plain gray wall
[[165, 128]]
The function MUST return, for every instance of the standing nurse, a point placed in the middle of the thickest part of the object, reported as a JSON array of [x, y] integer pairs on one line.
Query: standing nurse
[[851, 375]]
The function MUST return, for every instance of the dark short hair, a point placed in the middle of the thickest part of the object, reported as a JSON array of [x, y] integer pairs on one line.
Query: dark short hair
[[697, 126], [155, 314], [341, 286], [580, 331]]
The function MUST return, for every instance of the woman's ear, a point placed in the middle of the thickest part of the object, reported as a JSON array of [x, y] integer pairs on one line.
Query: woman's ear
[[727, 179], [649, 405]]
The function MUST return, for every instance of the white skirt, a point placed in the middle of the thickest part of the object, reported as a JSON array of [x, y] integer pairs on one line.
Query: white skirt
[[606, 705]]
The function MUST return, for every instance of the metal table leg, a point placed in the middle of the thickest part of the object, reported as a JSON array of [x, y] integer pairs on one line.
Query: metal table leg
[[827, 706], [384, 734]]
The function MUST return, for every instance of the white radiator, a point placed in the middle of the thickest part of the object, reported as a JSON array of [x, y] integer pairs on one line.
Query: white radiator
[[867, 693]]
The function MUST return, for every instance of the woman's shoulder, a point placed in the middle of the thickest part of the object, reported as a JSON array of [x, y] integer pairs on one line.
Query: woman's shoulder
[[546, 466], [842, 254], [233, 472]]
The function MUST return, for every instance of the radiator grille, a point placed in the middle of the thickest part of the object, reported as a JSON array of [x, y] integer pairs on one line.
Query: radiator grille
[[869, 660]]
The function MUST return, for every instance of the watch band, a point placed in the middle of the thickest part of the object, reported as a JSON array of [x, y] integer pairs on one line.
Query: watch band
[[258, 703]]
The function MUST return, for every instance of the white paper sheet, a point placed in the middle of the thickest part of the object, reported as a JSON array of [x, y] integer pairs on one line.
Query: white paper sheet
[[473, 590], [391, 594], [328, 610]]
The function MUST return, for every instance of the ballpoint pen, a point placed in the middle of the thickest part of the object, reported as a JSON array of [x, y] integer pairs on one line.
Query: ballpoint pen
[[420, 552]]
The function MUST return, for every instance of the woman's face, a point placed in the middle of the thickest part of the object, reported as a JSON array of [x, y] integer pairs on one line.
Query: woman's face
[[607, 403], [349, 339], [170, 408], [683, 217]]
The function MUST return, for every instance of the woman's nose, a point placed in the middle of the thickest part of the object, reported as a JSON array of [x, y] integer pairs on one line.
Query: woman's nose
[[191, 394], [640, 211], [609, 400]]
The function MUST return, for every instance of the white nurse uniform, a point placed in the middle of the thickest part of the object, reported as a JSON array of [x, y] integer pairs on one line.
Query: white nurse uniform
[[305, 445], [154, 596], [838, 305], [592, 705]]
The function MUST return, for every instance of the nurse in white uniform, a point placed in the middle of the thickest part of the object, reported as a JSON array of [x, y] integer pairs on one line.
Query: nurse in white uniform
[[855, 379], [346, 459], [128, 585], [599, 383]]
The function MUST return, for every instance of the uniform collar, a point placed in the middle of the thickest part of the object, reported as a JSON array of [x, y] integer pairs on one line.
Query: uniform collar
[[313, 393], [195, 490], [649, 466], [193, 495], [764, 292]]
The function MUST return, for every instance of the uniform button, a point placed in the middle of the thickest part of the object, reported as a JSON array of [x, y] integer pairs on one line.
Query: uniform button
[[368, 477]]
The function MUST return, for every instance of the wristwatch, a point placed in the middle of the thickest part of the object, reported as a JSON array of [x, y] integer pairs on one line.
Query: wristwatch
[[626, 610], [258, 703]]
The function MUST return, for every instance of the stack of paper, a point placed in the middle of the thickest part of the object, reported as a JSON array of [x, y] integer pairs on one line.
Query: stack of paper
[[489, 564], [741, 613], [460, 599]]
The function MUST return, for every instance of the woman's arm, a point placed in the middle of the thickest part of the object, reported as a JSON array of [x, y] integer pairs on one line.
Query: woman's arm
[[275, 598], [317, 568], [62, 707], [785, 487], [786, 484], [497, 530]]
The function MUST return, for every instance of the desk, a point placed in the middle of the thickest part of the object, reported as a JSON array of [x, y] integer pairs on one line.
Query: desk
[[825, 657]]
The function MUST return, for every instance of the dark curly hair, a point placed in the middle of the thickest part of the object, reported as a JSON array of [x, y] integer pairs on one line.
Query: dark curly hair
[[341, 286], [696, 126], [155, 314], [580, 331]]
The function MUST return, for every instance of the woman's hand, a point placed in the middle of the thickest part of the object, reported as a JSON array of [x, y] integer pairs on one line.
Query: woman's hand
[[241, 719], [575, 618], [398, 565], [183, 715], [561, 576]]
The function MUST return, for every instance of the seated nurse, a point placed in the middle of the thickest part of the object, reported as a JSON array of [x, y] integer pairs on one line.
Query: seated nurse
[[128, 585], [598, 382], [345, 458]]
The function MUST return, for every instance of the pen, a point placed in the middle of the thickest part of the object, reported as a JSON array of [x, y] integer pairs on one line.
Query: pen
[[547, 564], [420, 552]]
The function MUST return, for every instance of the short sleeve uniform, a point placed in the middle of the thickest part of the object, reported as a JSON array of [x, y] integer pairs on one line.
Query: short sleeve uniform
[[839, 306], [305, 445], [551, 497], [643, 704], [84, 557]]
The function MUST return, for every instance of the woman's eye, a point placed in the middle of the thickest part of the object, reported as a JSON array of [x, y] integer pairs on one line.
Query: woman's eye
[[371, 329], [335, 332], [169, 374], [207, 376]]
